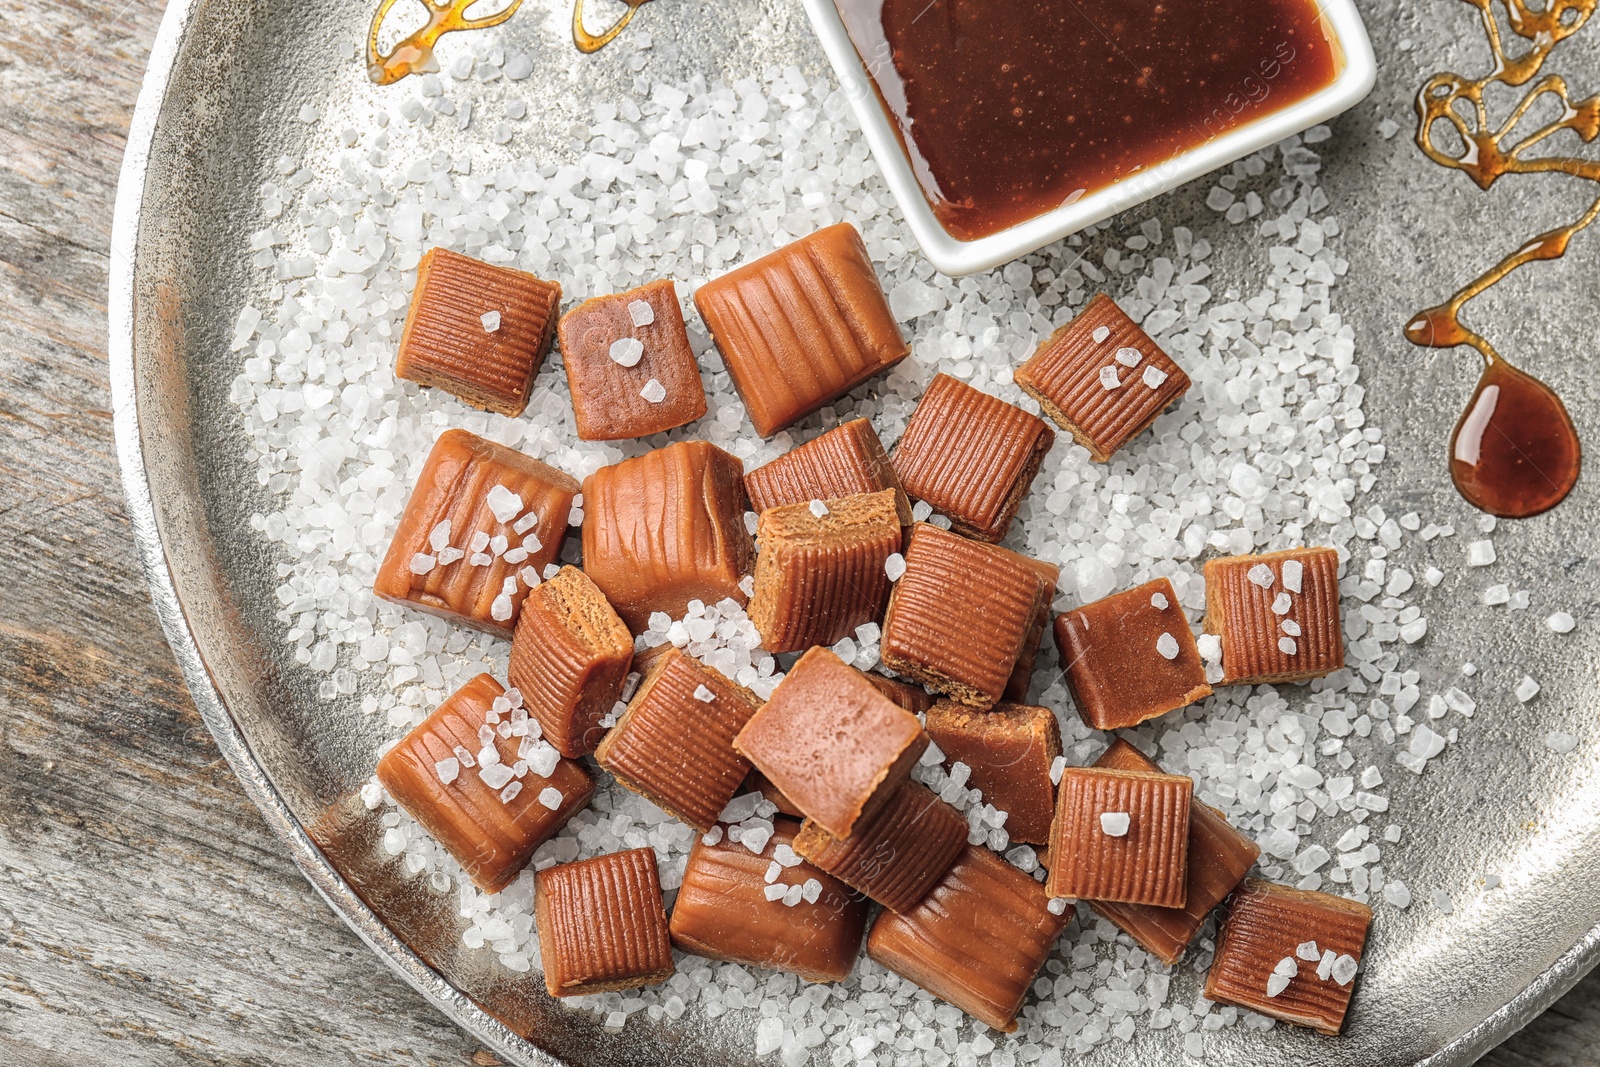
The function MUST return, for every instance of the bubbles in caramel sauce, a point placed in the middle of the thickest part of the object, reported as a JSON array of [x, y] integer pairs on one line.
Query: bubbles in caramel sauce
[[414, 54]]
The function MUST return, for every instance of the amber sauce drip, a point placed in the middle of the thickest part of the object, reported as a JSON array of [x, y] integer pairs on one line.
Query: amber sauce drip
[[414, 55], [1514, 451], [590, 42]]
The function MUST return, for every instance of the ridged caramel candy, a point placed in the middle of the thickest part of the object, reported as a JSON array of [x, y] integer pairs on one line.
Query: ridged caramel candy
[[722, 911], [832, 743], [570, 658], [1065, 377], [897, 854], [674, 743], [1114, 655], [1148, 864], [490, 834], [1219, 858], [1261, 644], [801, 326], [971, 456], [602, 924], [455, 487], [818, 577], [1009, 749], [446, 344], [1022, 674], [847, 460], [1266, 922], [608, 398], [666, 528], [977, 940]]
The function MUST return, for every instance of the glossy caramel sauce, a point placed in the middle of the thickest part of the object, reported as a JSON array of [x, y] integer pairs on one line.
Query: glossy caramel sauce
[[1006, 111], [1514, 451], [414, 54], [590, 42]]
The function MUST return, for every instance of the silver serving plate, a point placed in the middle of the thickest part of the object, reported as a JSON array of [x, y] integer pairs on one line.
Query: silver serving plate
[[214, 114]]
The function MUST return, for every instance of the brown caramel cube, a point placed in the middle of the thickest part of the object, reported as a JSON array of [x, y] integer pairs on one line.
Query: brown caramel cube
[[1219, 858], [666, 528], [674, 743], [897, 854], [1266, 924], [1009, 749], [959, 615], [727, 910], [1130, 657], [846, 461], [477, 331], [832, 743], [569, 659], [1101, 378], [977, 940], [1277, 615], [602, 924], [971, 456], [1022, 674], [820, 572], [1121, 836], [457, 776], [614, 347], [913, 698], [801, 326], [482, 524]]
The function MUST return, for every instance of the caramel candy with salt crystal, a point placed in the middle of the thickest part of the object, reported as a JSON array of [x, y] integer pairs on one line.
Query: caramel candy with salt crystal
[[570, 658], [602, 924], [959, 615], [614, 347], [977, 940], [971, 456], [1277, 615], [1009, 750], [832, 743], [1101, 378], [674, 743], [820, 572], [457, 775], [477, 331], [1121, 836], [1022, 674], [1267, 923], [728, 910], [756, 782], [801, 326], [896, 855], [846, 461], [482, 524], [1130, 657], [1219, 858], [666, 528]]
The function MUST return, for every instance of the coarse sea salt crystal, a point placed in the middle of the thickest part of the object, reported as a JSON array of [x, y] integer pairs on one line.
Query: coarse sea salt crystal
[[1560, 741], [1057, 905], [1288, 646], [1325, 965], [818, 509], [1344, 969], [447, 769], [1288, 967], [1129, 357], [491, 321], [894, 566], [1276, 983], [654, 391], [1159, 601], [422, 563], [626, 351], [500, 608], [1308, 951], [1261, 575], [704, 695], [641, 312], [1100, 334], [1480, 553], [1153, 377], [1115, 823], [1108, 378], [509, 793], [1526, 689], [439, 536], [1561, 622], [1290, 627], [551, 797], [1167, 645], [1281, 604], [504, 505], [1293, 574]]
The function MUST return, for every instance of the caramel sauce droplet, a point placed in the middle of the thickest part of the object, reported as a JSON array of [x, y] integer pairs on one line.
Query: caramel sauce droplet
[[1514, 453], [414, 54], [588, 42]]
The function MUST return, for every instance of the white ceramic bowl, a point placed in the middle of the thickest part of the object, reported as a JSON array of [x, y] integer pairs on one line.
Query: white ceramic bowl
[[956, 257]]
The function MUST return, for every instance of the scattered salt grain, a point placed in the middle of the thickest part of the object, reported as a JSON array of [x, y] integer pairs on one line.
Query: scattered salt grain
[[1290, 627], [1308, 951], [1288, 646], [1129, 357], [1396, 893], [1100, 334], [1526, 689], [895, 566], [1159, 601], [818, 509], [1057, 905], [1115, 823], [1288, 967], [1325, 965], [439, 536], [704, 695], [422, 563], [509, 793], [1057, 767], [1276, 983], [1153, 377], [1293, 574], [1561, 622], [654, 391], [491, 321], [1167, 645], [1344, 969], [1261, 575], [1558, 741], [447, 769], [626, 351], [1281, 604], [1480, 553], [1442, 901], [641, 313], [1108, 378], [551, 797], [504, 505]]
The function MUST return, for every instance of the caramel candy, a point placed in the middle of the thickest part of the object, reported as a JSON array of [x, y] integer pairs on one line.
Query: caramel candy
[[1101, 378], [570, 658], [896, 855], [1022, 674], [602, 924], [1266, 924], [614, 347], [820, 571], [727, 910], [486, 815], [1121, 836], [913, 698], [477, 331], [1009, 749], [666, 528], [1277, 615], [832, 743], [1130, 657], [846, 461], [801, 326], [1219, 858], [977, 940], [971, 456], [959, 615], [674, 743], [481, 526]]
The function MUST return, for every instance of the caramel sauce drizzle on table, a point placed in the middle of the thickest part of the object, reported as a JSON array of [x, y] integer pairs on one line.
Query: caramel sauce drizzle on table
[[1514, 451]]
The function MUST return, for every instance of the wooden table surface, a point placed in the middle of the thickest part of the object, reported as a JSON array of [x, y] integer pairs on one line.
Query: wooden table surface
[[147, 914]]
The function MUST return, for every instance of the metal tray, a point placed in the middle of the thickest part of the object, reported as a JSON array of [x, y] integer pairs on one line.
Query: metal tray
[[214, 114]]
